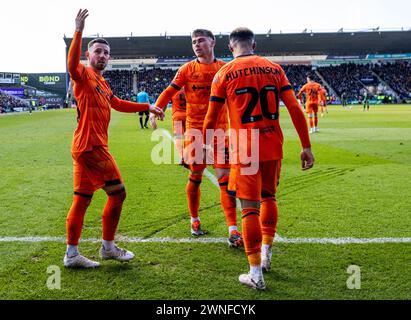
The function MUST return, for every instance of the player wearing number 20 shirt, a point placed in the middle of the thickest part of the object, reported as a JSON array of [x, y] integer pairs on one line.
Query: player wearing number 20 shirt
[[252, 86]]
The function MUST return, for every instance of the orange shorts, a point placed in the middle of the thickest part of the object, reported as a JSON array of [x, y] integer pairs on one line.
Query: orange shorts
[[179, 123], [193, 153], [311, 108], [253, 187], [94, 169]]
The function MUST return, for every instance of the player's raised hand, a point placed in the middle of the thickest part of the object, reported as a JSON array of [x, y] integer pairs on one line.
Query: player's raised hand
[[80, 19], [157, 111], [307, 159]]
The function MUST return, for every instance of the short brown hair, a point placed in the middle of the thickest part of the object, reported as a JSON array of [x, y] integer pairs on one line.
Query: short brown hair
[[97, 40], [241, 34], [202, 32]]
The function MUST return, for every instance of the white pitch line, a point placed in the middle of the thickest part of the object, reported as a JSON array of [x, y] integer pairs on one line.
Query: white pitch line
[[207, 173], [279, 239], [335, 241]]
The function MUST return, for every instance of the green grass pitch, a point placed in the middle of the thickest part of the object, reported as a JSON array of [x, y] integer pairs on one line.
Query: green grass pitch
[[359, 188]]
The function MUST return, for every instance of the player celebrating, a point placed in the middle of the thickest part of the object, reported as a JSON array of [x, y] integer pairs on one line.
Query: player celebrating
[[196, 77], [311, 90], [94, 167], [252, 87]]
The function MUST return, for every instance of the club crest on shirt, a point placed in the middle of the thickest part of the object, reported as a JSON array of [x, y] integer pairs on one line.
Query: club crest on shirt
[[99, 90]]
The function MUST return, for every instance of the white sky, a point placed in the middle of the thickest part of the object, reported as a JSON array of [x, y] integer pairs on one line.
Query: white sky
[[32, 31]]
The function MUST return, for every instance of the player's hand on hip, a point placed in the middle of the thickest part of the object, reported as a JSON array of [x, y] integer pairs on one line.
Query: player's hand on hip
[[157, 111], [80, 19], [307, 159], [153, 121]]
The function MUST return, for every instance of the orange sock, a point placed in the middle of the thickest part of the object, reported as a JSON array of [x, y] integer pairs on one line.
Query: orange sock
[[269, 218], [252, 235], [111, 213], [315, 120], [227, 202], [310, 120], [193, 194], [75, 217]]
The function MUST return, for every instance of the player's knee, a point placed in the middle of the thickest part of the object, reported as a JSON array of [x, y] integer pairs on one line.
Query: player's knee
[[266, 195], [223, 181], [118, 195], [83, 199], [196, 177]]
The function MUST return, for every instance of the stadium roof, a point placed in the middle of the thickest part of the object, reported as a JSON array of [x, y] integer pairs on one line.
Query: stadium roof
[[338, 43]]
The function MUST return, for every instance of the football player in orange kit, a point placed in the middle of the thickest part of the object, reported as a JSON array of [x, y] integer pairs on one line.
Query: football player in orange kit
[[252, 87], [312, 92], [93, 165], [196, 77], [323, 101]]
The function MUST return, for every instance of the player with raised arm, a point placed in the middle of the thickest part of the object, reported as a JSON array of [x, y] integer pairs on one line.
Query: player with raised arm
[[252, 87], [196, 77], [93, 165]]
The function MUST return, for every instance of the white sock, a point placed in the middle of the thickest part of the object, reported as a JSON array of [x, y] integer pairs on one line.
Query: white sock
[[231, 229], [265, 248], [108, 245], [194, 219], [72, 250], [256, 272]]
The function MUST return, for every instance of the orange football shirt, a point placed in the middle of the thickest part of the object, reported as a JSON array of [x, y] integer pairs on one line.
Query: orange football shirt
[[196, 78], [94, 102], [312, 92], [252, 87]]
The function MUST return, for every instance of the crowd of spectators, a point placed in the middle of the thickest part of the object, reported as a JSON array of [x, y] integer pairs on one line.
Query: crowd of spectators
[[297, 75], [351, 79], [397, 76], [348, 78], [8, 103], [154, 81]]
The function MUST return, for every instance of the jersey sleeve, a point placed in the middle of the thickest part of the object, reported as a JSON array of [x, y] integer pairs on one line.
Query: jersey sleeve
[[180, 78], [297, 117], [300, 93], [127, 106], [217, 100], [75, 68]]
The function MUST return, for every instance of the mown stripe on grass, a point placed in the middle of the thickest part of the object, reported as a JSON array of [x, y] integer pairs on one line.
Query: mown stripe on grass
[[278, 239]]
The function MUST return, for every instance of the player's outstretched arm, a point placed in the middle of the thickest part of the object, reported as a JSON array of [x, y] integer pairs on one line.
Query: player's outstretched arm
[[74, 66], [130, 107]]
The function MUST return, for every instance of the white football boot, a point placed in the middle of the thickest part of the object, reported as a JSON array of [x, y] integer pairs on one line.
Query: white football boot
[[79, 261], [247, 280], [116, 253]]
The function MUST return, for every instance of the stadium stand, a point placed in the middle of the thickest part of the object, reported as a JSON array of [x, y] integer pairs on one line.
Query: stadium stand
[[9, 103], [378, 62]]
